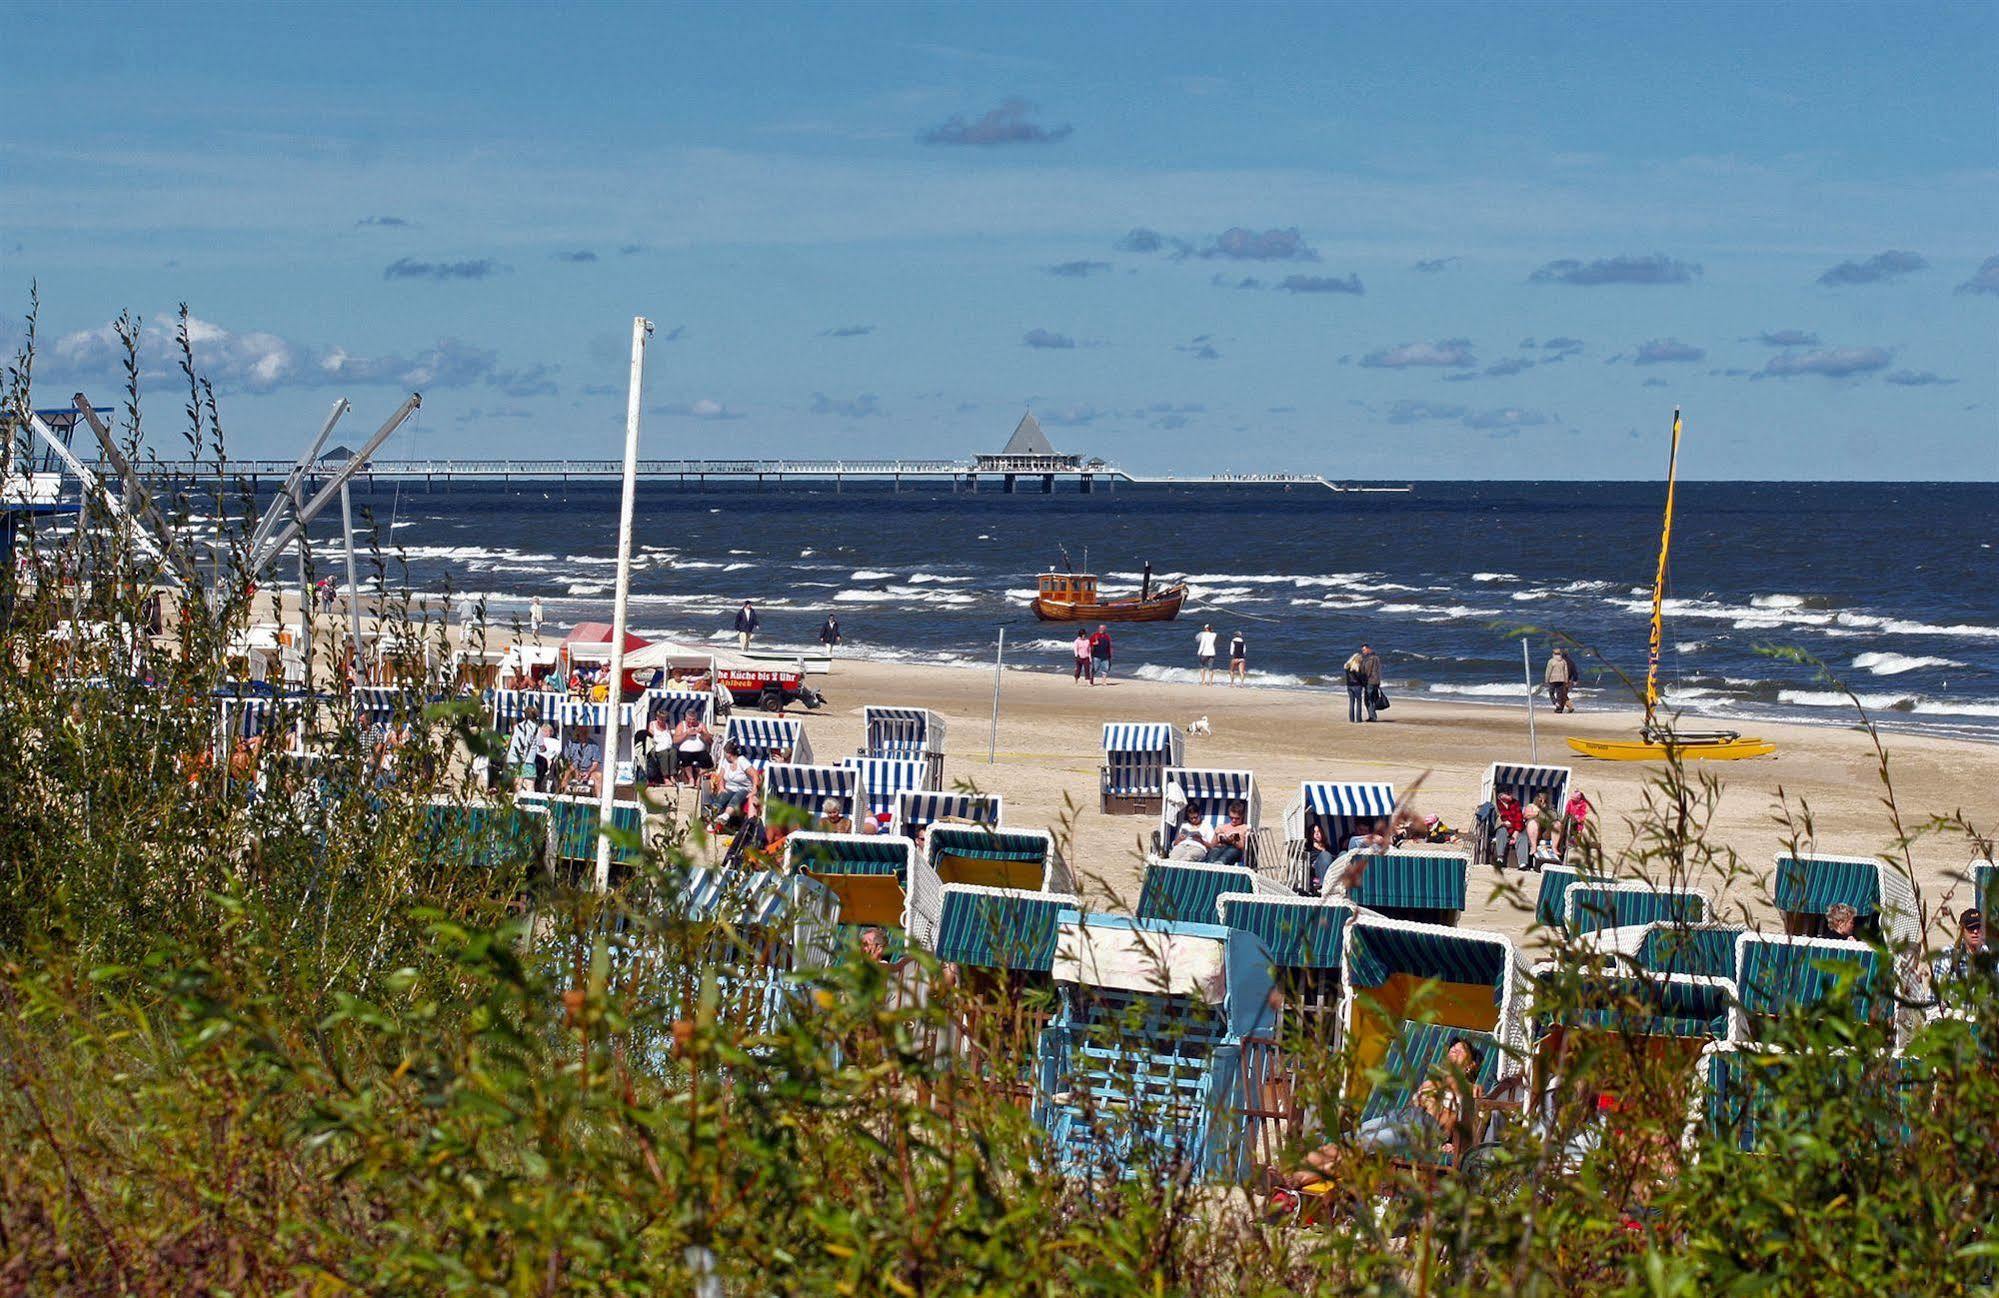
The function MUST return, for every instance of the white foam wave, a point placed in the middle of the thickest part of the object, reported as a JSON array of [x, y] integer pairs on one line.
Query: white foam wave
[[1496, 689], [1892, 664], [1191, 676], [736, 567], [1495, 576], [870, 574], [917, 578]]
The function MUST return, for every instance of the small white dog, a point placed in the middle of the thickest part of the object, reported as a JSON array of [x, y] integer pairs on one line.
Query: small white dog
[[1200, 727]]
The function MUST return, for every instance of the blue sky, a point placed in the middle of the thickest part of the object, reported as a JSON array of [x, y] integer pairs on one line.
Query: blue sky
[[1372, 241]]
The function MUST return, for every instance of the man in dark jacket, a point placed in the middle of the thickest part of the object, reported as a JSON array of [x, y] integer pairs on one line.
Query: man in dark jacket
[[829, 635], [1100, 653], [746, 624], [1370, 673]]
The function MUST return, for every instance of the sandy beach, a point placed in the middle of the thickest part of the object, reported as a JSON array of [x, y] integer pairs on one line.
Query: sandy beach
[[1046, 758]]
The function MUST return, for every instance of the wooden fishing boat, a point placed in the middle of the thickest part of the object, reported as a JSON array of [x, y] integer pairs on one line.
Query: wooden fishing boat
[[1072, 597], [1658, 741]]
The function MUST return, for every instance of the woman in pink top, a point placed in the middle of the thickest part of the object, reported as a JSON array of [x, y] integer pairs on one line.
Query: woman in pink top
[[1084, 669]]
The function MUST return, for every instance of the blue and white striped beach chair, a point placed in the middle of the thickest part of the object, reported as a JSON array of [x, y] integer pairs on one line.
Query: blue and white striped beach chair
[[763, 738], [907, 733], [999, 928], [581, 717], [1775, 975], [1023, 859], [1425, 884], [384, 704], [675, 705], [883, 778], [1143, 1069], [1342, 808], [1210, 789], [509, 706], [1593, 905], [1132, 779], [919, 809], [804, 789], [1880, 893], [1525, 782]]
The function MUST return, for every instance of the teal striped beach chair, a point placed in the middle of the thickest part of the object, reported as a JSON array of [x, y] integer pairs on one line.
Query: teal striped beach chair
[[1737, 1097], [572, 830], [1775, 975], [1591, 905], [1188, 890], [1551, 901], [1984, 886], [482, 834], [1001, 857], [1304, 937], [1143, 1069], [873, 876], [1132, 780], [1425, 884], [1807, 886], [1668, 1017], [999, 928], [1702, 950]]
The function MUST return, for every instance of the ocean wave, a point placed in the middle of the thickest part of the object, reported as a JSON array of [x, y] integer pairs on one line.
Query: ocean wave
[[586, 588], [1440, 613], [1495, 689], [869, 574], [1192, 676], [894, 594], [492, 554], [917, 578], [1892, 664], [1835, 699], [736, 567], [1495, 576]]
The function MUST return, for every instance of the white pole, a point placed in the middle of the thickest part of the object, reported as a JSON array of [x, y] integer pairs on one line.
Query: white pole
[[353, 585], [614, 695], [1527, 674], [992, 749]]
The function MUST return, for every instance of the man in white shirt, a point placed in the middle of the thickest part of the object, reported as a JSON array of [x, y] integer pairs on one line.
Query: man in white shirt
[[1204, 649], [521, 745], [730, 784]]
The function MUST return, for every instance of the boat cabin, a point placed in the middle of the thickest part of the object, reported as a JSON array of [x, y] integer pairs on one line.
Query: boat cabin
[[1069, 587]]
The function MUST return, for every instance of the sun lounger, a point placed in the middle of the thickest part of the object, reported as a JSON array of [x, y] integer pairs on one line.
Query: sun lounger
[[1132, 779], [1143, 1066]]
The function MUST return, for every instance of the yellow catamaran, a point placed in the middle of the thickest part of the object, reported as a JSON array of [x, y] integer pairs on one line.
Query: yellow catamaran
[[1657, 742]]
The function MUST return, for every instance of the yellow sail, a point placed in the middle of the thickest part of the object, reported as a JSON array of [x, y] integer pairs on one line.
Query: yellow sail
[[1659, 580]]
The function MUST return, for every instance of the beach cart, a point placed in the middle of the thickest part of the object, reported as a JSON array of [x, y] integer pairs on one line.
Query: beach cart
[[1411, 989], [883, 778], [1189, 890], [918, 809], [1000, 857], [1525, 782], [1142, 1069], [911, 733], [1132, 779], [763, 738], [804, 789], [1591, 906], [1342, 808], [1412, 882], [1776, 974], [1880, 894], [876, 877]]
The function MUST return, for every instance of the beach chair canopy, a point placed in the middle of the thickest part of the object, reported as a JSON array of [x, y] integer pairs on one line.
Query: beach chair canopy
[[1000, 928], [1812, 885], [384, 703], [1774, 973], [882, 778], [1136, 756], [1209, 789], [920, 808], [1591, 904], [1551, 901], [509, 706], [1299, 932], [482, 834], [1985, 885], [1206, 963], [1703, 950], [1667, 1005], [806, 788], [1524, 782], [801, 908], [1410, 878], [1343, 807], [1026, 859], [762, 738], [1189, 890], [573, 822], [676, 704], [1398, 970], [581, 714], [902, 732], [868, 873]]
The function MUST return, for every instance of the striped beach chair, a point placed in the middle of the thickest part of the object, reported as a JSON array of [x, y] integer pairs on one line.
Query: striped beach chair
[[999, 928], [763, 738], [804, 789], [1775, 975], [870, 874], [1023, 859], [676, 704], [1525, 782], [1189, 890], [1304, 938], [1591, 905], [1212, 790], [918, 809], [1551, 908], [384, 704], [761, 930], [1807, 886], [1401, 975], [1984, 877], [1425, 884], [883, 778], [509, 706], [1132, 779], [1703, 950], [910, 733], [572, 830], [1737, 1096], [1342, 807], [1143, 1068], [580, 717], [484, 834]]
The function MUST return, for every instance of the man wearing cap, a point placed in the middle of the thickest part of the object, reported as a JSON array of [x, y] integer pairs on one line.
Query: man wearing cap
[[1968, 955]]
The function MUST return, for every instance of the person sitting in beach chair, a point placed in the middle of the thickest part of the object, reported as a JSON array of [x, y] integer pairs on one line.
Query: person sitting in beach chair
[[1318, 858], [693, 749], [583, 764], [1231, 840], [731, 786], [833, 818], [1192, 837], [1509, 824]]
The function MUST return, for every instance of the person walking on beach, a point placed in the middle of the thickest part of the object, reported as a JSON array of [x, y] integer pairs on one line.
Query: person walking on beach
[[1204, 649], [1370, 670], [1356, 677], [829, 635], [1560, 678], [1100, 652], [747, 623], [534, 616], [1238, 660], [1084, 670]]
